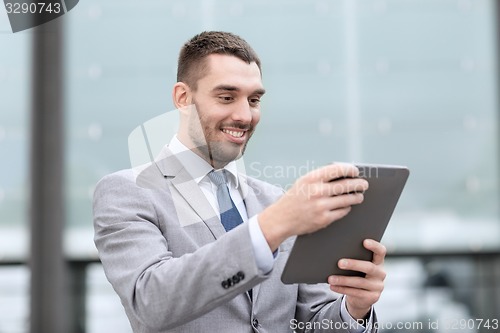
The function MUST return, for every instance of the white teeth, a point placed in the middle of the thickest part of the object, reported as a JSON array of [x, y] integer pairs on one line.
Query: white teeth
[[236, 134]]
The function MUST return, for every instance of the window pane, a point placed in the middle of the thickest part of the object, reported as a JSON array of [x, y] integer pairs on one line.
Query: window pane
[[389, 82], [14, 129], [382, 81]]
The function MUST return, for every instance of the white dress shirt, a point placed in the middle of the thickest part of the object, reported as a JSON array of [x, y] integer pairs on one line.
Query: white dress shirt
[[198, 168]]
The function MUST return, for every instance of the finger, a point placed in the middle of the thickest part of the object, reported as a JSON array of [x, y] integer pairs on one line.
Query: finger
[[344, 186], [342, 201], [363, 266], [337, 214], [369, 297], [334, 171], [379, 250], [355, 282]]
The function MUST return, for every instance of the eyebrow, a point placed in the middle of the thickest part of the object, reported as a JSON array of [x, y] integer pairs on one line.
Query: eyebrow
[[225, 87]]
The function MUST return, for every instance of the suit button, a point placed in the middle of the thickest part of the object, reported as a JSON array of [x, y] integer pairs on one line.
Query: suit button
[[255, 323], [236, 279], [241, 275], [224, 284]]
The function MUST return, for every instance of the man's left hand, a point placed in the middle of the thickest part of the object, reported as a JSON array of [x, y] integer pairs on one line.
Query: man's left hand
[[361, 292]]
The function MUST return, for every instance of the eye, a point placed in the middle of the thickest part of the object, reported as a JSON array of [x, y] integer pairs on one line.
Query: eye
[[254, 101], [226, 99]]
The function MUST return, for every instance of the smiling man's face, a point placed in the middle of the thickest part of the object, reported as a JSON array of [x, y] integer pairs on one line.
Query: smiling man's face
[[227, 110]]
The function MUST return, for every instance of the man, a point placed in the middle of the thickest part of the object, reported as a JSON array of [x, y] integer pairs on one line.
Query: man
[[191, 245]]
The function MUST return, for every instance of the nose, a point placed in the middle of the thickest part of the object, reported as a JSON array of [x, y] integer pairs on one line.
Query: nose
[[242, 112]]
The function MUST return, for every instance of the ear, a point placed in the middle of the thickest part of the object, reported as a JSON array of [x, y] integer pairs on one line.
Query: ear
[[181, 95]]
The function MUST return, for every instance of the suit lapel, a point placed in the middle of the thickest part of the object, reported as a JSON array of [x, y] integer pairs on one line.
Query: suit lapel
[[187, 193], [192, 194], [252, 205]]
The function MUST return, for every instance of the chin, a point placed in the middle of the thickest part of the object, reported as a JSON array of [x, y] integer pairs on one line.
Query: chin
[[227, 155], [227, 158]]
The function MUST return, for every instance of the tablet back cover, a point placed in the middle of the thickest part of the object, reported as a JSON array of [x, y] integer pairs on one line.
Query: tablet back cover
[[314, 256]]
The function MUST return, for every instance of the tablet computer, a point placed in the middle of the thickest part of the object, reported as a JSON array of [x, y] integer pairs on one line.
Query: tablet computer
[[315, 256]]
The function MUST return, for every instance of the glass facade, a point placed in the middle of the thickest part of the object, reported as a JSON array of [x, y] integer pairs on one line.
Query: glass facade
[[408, 82], [392, 82]]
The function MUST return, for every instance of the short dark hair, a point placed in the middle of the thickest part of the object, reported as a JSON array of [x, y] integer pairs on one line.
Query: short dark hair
[[192, 66]]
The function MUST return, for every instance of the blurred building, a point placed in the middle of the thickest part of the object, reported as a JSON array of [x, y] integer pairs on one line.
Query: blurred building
[[408, 82]]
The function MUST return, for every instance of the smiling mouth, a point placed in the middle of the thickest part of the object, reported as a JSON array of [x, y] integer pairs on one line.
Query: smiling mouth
[[234, 133]]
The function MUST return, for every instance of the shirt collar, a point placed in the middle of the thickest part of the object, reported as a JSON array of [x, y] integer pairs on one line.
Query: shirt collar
[[196, 166]]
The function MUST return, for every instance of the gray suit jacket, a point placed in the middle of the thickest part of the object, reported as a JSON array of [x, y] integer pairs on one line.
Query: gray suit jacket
[[175, 268]]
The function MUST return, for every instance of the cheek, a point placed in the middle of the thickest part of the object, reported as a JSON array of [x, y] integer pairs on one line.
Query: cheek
[[255, 116], [208, 117]]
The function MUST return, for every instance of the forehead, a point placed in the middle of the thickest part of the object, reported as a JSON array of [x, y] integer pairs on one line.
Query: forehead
[[224, 69]]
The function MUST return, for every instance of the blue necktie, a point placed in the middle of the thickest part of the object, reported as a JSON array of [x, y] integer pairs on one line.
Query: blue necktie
[[229, 215]]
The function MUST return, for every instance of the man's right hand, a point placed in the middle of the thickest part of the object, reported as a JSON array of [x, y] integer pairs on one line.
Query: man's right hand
[[317, 199]]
